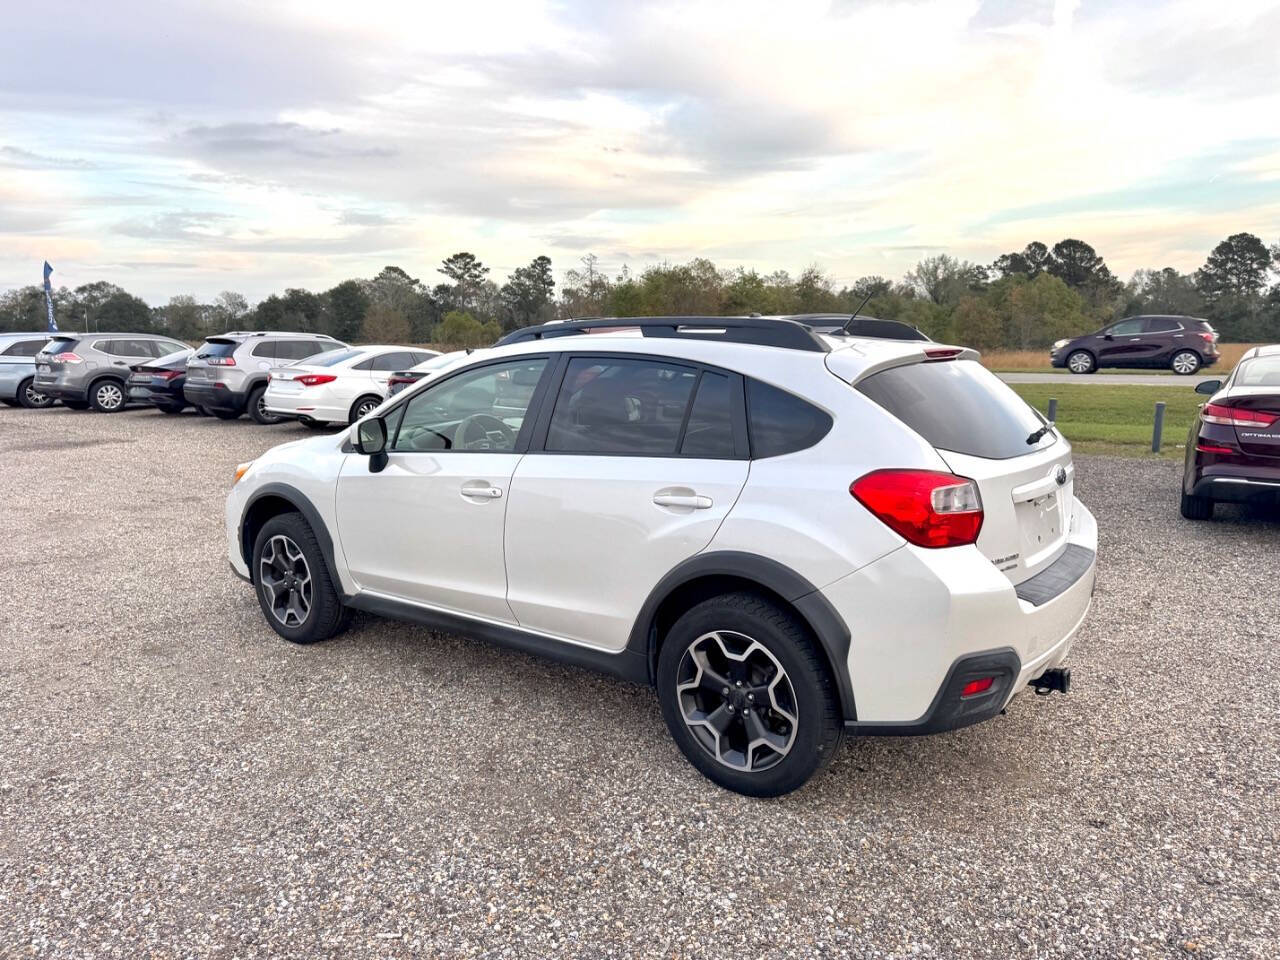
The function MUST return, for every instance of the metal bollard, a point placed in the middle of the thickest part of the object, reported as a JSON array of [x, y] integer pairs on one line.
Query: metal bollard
[[1053, 409], [1158, 428]]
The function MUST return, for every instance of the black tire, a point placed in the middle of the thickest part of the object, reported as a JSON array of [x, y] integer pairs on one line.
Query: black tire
[[354, 413], [1188, 360], [1197, 508], [225, 414], [32, 399], [108, 395], [314, 424], [818, 727], [169, 409], [257, 412], [76, 404], [1079, 357], [325, 615]]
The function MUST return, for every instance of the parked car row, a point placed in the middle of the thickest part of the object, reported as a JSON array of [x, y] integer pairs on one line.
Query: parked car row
[[270, 376]]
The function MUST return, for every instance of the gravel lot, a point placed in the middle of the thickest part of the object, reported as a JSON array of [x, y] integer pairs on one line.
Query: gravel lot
[[177, 781]]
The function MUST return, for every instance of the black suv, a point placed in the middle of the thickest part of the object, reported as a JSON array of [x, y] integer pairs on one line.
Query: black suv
[[1183, 344]]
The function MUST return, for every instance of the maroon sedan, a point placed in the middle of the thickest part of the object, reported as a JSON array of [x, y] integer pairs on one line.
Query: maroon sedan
[[1233, 451]]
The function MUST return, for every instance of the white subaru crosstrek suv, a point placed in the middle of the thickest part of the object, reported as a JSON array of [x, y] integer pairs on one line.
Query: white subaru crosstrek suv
[[790, 535]]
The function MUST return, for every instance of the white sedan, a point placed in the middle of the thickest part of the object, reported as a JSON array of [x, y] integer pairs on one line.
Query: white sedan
[[340, 386]]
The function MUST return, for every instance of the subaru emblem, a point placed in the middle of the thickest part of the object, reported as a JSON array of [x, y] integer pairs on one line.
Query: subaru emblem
[[1061, 476]]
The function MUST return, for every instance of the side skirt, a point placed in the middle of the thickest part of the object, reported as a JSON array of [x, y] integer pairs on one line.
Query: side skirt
[[627, 665]]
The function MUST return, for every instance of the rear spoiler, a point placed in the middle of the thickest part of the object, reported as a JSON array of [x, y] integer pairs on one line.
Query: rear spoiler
[[927, 353]]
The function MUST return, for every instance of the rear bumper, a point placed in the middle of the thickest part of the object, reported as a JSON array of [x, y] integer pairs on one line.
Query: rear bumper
[[60, 391], [918, 617], [303, 407], [213, 396], [1239, 489]]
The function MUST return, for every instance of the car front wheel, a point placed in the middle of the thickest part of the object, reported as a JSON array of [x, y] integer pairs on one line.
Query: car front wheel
[[295, 589], [746, 696], [1185, 362], [31, 398], [1081, 362]]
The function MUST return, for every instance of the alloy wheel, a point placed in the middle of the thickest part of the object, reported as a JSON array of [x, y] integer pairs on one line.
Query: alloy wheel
[[1186, 363], [109, 396], [35, 398], [1080, 362], [285, 581], [737, 701], [365, 407]]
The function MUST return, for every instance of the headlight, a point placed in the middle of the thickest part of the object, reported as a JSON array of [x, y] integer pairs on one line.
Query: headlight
[[241, 470], [1059, 344]]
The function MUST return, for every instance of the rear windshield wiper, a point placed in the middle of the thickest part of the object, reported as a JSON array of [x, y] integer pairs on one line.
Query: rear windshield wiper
[[1035, 437]]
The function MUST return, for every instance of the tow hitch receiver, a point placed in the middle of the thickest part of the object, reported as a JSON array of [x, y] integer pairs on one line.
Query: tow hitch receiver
[[1054, 679]]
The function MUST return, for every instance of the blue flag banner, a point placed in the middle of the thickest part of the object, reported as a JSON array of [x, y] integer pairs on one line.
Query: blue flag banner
[[48, 298]]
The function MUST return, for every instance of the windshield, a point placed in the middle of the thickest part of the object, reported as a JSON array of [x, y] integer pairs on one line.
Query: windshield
[[961, 406], [1259, 372], [216, 348], [178, 358], [60, 345]]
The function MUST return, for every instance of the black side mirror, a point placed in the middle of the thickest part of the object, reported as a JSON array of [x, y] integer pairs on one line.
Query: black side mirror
[[1107, 336], [371, 440], [1209, 386]]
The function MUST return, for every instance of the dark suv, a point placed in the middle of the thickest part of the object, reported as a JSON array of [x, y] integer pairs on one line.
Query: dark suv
[[1183, 344]]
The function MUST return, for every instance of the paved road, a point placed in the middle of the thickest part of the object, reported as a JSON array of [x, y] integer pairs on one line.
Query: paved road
[[176, 781], [1108, 379]]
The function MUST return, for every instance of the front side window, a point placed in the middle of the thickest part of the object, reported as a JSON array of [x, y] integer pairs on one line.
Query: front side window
[[481, 410], [1125, 328], [621, 406]]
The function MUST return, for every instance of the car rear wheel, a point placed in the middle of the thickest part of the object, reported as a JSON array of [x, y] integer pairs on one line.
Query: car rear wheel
[[362, 407], [31, 398], [166, 409], [1081, 361], [293, 583], [107, 396], [1185, 362], [746, 696], [1197, 508], [257, 407]]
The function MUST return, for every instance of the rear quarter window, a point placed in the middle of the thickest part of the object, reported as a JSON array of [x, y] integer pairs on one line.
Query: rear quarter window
[[780, 422], [959, 405]]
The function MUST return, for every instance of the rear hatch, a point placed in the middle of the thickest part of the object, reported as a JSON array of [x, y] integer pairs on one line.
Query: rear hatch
[[987, 433], [210, 357]]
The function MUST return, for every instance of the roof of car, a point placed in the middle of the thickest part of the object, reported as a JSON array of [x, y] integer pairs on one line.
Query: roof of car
[[278, 334]]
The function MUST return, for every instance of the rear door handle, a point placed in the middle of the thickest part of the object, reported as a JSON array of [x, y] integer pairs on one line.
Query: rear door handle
[[480, 490], [682, 500]]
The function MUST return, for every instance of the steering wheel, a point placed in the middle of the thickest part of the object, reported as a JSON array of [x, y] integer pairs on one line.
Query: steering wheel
[[490, 433]]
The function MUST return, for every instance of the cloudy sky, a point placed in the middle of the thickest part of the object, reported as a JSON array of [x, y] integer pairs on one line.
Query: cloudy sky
[[192, 147]]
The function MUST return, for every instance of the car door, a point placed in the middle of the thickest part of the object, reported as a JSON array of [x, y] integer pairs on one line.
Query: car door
[[1160, 337], [632, 470], [1121, 343], [428, 528]]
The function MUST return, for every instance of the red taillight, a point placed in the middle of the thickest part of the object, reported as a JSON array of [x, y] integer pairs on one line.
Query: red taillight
[[167, 374], [942, 353], [68, 358], [1206, 337], [975, 687], [315, 379], [1237, 416], [391, 381], [222, 361], [1210, 448], [926, 507]]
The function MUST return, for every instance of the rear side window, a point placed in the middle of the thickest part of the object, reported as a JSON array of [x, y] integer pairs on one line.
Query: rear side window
[[622, 406], [23, 348], [390, 361], [1161, 325], [780, 422], [959, 405], [266, 348], [331, 357], [216, 348]]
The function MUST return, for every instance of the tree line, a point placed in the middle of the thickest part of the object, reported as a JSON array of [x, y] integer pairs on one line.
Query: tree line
[[1023, 300]]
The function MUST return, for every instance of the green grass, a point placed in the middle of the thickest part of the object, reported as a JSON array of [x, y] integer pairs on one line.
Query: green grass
[[1116, 420]]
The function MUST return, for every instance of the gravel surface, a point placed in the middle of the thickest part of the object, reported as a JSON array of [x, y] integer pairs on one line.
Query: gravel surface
[[177, 781]]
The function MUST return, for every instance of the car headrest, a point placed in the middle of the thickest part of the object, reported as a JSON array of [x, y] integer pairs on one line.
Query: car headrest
[[601, 403], [470, 400]]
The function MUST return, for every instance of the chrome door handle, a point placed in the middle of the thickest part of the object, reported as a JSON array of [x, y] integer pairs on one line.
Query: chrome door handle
[[1134, 339], [678, 500], [481, 490]]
